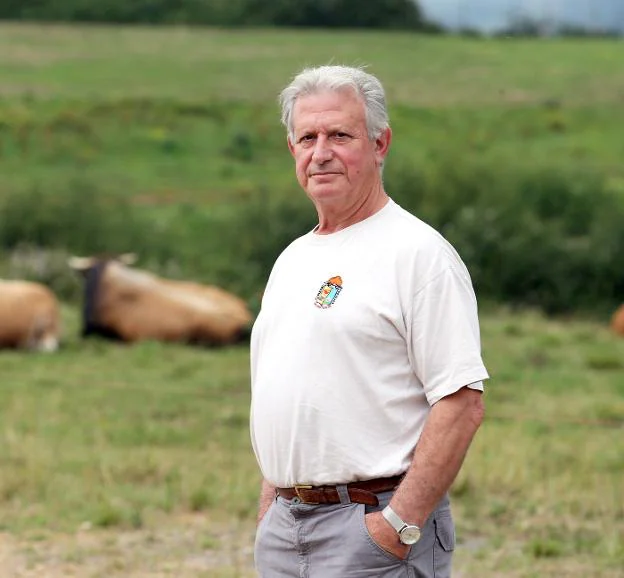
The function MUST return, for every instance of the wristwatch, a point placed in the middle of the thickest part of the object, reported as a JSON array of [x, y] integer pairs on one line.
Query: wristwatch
[[409, 534]]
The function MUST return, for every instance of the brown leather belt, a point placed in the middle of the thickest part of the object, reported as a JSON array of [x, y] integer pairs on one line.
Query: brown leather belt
[[359, 492]]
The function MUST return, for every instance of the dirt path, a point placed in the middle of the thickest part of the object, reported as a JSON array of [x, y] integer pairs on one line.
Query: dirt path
[[190, 547], [196, 547]]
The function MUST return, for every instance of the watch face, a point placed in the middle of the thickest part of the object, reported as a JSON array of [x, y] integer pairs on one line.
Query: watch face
[[410, 535]]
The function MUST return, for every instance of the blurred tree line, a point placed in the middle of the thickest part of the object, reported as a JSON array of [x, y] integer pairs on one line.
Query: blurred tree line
[[404, 14]]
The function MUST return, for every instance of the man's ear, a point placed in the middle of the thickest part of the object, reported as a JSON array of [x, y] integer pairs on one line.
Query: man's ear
[[291, 147], [382, 144]]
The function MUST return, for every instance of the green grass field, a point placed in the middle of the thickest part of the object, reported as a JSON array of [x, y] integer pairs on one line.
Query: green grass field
[[135, 462], [128, 440], [252, 65], [191, 114]]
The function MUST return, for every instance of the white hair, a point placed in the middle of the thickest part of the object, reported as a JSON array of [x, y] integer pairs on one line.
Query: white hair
[[337, 78]]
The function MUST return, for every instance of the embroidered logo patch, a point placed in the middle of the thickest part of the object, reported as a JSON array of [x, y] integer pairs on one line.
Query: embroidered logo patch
[[328, 293]]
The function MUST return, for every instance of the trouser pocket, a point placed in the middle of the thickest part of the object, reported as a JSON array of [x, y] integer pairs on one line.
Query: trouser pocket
[[444, 543]]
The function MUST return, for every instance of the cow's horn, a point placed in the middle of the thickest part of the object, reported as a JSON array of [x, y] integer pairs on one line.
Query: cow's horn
[[80, 263], [128, 258]]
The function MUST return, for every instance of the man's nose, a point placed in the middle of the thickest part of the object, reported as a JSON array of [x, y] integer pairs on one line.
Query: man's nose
[[322, 150]]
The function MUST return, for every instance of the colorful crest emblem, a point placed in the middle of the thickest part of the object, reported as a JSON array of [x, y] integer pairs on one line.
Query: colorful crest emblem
[[328, 293]]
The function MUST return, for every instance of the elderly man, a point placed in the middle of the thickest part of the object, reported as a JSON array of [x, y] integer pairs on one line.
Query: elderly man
[[366, 366]]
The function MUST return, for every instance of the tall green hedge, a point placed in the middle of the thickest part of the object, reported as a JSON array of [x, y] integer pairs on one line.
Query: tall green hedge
[[324, 13], [547, 239], [544, 238]]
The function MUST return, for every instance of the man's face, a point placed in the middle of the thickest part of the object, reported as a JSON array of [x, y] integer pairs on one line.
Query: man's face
[[334, 159]]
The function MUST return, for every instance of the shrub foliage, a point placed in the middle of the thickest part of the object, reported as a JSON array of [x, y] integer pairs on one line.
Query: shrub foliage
[[547, 239], [86, 180], [310, 13]]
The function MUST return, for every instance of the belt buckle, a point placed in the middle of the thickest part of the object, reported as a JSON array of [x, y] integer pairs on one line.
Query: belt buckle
[[299, 487]]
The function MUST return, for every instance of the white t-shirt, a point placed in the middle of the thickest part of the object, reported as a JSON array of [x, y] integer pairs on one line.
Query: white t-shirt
[[360, 332]]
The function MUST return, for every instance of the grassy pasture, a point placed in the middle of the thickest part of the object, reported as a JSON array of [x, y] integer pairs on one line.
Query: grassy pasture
[[169, 114], [136, 462], [179, 119], [54, 61], [160, 153], [102, 441]]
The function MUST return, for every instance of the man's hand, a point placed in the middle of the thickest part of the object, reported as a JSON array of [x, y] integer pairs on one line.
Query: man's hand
[[267, 495], [385, 536]]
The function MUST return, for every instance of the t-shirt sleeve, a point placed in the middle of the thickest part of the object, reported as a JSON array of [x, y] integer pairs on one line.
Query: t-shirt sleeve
[[444, 343]]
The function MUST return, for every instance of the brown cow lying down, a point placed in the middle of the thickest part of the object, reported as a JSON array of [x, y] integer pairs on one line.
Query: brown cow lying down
[[133, 305], [617, 321], [29, 316]]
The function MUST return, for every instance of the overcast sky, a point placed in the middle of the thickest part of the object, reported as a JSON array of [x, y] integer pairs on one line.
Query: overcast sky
[[489, 15]]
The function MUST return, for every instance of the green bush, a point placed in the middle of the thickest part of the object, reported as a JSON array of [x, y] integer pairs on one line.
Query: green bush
[[322, 13], [545, 239], [81, 218], [235, 250]]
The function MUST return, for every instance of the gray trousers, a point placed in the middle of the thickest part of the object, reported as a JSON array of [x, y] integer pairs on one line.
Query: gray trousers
[[297, 540]]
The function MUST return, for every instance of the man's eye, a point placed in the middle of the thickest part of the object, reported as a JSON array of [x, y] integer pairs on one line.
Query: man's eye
[[341, 135], [306, 138]]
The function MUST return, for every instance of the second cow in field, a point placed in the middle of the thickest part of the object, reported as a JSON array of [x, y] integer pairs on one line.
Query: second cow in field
[[617, 321], [29, 316], [132, 305]]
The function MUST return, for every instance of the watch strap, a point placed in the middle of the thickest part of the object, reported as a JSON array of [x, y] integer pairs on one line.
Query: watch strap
[[393, 519]]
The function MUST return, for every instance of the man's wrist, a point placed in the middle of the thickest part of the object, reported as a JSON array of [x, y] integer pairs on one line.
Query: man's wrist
[[408, 534]]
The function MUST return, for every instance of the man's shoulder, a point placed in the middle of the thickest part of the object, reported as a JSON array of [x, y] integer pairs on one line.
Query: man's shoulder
[[291, 252], [411, 232], [294, 245], [421, 245]]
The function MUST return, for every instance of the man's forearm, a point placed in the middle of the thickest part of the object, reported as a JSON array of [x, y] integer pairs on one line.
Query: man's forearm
[[267, 495], [439, 455]]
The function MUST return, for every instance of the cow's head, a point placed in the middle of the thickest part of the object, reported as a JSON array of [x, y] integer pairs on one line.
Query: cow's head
[[91, 269]]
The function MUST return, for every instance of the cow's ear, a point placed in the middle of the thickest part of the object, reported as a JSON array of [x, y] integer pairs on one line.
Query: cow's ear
[[80, 263], [128, 258]]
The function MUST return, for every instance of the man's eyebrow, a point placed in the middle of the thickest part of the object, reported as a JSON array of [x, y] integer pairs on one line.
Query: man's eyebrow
[[330, 129]]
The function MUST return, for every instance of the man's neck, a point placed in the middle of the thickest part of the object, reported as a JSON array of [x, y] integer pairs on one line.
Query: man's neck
[[333, 218]]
